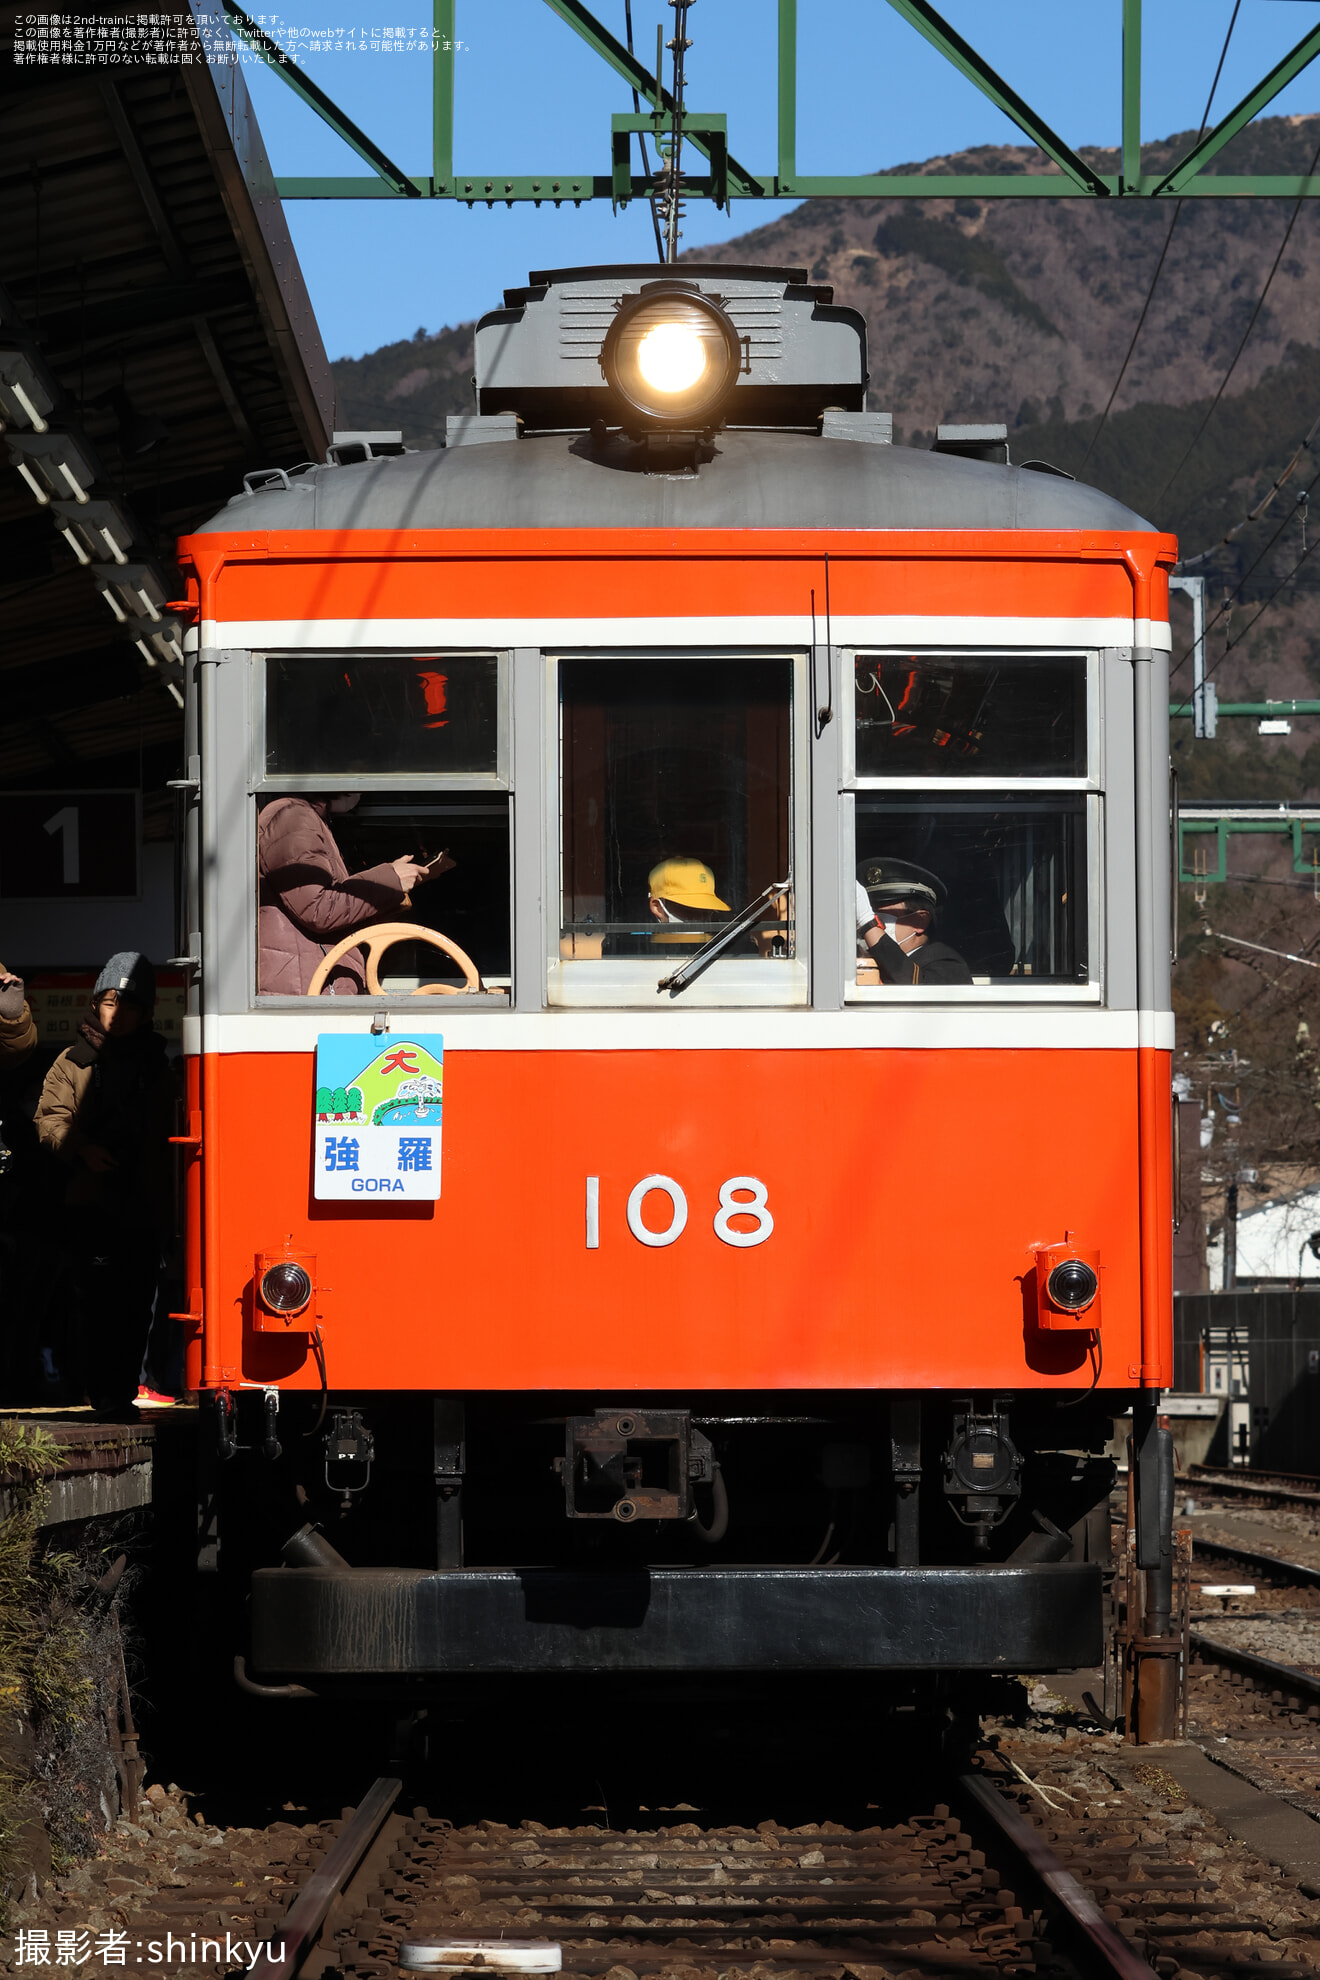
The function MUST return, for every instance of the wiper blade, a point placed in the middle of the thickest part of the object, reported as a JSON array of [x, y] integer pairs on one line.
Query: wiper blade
[[678, 981]]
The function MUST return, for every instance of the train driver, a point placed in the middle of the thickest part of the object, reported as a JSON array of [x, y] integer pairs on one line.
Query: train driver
[[309, 900], [898, 904], [683, 890]]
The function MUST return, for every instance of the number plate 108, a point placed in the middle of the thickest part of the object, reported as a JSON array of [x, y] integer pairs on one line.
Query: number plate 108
[[740, 1196]]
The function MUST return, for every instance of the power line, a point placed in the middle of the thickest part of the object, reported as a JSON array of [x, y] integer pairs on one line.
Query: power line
[[1214, 405], [1236, 591], [1254, 515], [1159, 265], [1238, 638]]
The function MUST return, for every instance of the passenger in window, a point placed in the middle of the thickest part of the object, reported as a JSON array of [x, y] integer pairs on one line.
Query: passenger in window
[[309, 900], [683, 890], [898, 905]]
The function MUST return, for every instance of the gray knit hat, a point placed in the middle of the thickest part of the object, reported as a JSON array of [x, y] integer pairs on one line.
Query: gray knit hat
[[132, 975]]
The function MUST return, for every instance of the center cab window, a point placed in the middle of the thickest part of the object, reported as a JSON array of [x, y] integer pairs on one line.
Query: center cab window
[[382, 830], [974, 823], [676, 833]]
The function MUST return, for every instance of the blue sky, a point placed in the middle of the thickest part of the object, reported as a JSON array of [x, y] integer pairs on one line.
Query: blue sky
[[532, 97]]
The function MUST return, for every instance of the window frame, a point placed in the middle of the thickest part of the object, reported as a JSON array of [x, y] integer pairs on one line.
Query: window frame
[[1092, 780], [799, 774], [446, 785], [299, 782], [1091, 786]]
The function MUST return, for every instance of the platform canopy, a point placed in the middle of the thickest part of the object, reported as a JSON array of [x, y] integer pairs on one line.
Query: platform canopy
[[156, 342]]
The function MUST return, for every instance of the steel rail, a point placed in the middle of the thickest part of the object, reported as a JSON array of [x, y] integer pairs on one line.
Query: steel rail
[[287, 1947], [1281, 1677], [1113, 1954], [1298, 1571], [1258, 1487]]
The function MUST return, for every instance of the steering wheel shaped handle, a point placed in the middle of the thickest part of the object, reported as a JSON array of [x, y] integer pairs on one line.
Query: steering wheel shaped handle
[[378, 940]]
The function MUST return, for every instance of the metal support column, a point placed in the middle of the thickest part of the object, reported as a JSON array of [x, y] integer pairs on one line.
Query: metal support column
[[905, 1465], [450, 1464], [1131, 181], [1157, 1648], [442, 96]]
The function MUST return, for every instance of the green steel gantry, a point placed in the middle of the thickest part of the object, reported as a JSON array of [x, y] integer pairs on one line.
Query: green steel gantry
[[725, 180]]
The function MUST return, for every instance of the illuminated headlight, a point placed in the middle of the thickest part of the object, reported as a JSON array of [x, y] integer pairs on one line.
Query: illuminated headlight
[[285, 1288], [1072, 1285], [671, 356]]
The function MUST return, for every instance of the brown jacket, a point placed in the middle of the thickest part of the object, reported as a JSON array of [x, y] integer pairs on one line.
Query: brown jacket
[[18, 1039], [309, 902], [121, 1098]]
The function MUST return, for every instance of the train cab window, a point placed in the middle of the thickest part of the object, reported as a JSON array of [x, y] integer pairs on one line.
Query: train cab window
[[985, 889], [373, 714], [676, 796], [329, 867], [955, 715]]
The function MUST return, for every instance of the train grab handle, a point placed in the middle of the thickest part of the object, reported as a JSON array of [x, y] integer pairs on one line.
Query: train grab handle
[[377, 940]]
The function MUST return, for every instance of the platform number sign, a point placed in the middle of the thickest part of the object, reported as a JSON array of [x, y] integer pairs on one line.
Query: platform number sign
[[69, 845], [376, 1117]]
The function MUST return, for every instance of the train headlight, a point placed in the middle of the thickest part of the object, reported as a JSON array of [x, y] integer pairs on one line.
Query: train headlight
[[671, 356], [1072, 1285], [286, 1287]]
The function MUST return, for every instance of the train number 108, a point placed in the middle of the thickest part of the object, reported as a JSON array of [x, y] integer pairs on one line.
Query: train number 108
[[740, 1196]]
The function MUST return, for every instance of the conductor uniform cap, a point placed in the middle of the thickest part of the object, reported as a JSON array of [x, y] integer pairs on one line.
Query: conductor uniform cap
[[687, 883], [888, 881]]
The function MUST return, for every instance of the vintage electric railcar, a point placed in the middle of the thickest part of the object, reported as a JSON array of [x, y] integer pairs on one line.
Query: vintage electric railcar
[[632, 1273]]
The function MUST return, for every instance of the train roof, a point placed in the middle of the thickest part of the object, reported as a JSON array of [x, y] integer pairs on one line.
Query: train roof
[[748, 480]]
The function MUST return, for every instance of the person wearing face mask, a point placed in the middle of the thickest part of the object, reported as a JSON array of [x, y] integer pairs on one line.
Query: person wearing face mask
[[310, 901], [898, 904], [683, 890]]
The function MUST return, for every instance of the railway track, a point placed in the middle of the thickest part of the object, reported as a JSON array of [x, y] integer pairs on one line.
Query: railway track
[[1262, 1488], [1005, 1878]]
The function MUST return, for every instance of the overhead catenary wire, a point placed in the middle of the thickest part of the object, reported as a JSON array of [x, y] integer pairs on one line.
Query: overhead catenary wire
[[1255, 314], [1159, 266], [1238, 587], [1254, 515], [1239, 637], [641, 139]]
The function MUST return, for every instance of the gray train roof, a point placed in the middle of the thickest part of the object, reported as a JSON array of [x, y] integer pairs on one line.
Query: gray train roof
[[756, 480]]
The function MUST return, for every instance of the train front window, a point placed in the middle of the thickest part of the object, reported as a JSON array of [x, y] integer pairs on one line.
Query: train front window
[[336, 866], [985, 889], [375, 714], [963, 715], [676, 813]]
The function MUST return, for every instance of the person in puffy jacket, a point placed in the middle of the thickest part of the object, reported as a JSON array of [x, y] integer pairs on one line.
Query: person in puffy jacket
[[106, 1113], [309, 900]]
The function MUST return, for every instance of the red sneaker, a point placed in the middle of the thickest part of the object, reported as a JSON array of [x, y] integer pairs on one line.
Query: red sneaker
[[153, 1399]]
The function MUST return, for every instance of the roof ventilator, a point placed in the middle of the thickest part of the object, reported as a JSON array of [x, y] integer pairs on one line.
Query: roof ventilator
[[973, 443]]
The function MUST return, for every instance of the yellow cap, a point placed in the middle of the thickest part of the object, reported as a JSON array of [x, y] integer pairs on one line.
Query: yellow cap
[[687, 883]]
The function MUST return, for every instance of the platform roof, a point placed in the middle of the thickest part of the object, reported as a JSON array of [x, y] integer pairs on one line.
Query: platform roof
[[147, 275]]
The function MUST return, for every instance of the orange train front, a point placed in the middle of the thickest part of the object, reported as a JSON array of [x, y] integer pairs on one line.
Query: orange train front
[[679, 1057]]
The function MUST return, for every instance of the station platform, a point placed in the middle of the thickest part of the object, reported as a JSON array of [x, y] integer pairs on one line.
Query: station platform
[[105, 1469]]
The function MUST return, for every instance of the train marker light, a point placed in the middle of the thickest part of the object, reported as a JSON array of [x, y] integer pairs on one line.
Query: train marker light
[[1067, 1286], [671, 356], [284, 1283]]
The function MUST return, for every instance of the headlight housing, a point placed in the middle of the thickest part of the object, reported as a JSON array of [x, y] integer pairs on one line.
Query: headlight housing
[[285, 1287], [671, 357]]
